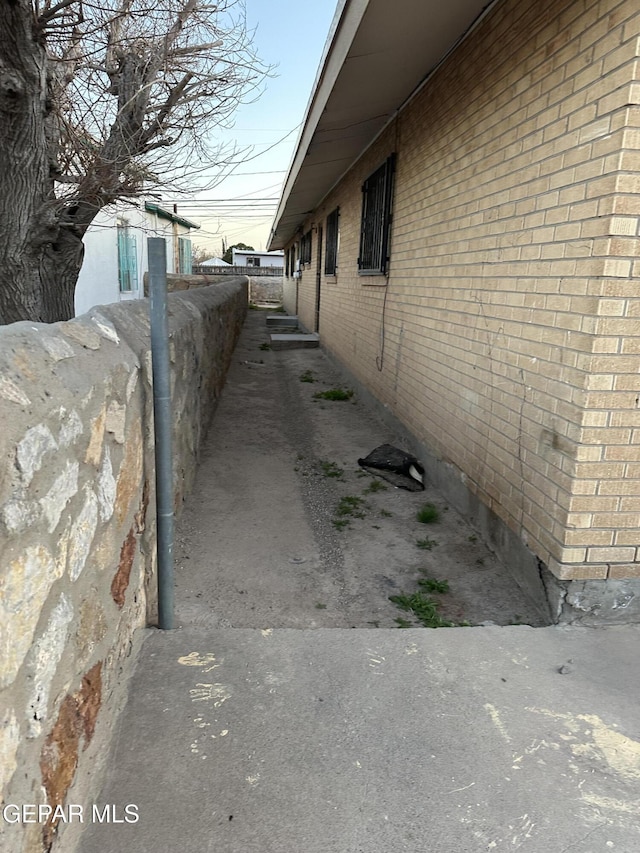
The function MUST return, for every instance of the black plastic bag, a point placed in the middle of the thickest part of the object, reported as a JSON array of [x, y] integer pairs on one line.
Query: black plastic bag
[[396, 466]]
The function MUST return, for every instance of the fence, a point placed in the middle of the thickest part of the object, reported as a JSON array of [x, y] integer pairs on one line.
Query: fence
[[204, 269]]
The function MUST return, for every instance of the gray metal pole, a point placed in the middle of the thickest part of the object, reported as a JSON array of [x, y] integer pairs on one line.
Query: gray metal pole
[[163, 425]]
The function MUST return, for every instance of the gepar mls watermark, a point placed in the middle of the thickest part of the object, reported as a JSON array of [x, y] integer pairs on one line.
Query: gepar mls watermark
[[71, 813]]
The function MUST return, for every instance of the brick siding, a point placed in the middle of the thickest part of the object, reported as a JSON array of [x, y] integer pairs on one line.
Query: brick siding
[[507, 334]]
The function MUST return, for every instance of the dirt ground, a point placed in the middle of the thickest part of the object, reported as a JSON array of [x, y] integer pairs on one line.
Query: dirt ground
[[261, 541]]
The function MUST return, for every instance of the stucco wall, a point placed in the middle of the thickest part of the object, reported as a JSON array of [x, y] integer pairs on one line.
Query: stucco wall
[[506, 335], [77, 512]]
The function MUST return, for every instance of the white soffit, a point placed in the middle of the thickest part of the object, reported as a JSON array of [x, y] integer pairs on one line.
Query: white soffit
[[378, 53]]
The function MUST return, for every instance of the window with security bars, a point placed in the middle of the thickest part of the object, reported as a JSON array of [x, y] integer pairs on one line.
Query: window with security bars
[[377, 196], [331, 250], [305, 248], [127, 259]]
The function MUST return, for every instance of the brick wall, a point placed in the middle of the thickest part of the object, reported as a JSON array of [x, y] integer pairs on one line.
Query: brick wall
[[507, 337]]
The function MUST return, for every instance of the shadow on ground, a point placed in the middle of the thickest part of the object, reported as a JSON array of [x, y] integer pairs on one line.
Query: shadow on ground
[[285, 530]]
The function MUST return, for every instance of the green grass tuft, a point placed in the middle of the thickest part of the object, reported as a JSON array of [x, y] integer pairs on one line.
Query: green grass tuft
[[426, 544], [375, 486], [351, 505], [330, 469], [433, 585], [334, 394], [428, 514]]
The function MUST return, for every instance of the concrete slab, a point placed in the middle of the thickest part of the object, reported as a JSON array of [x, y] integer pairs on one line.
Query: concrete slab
[[338, 741], [259, 542], [282, 320], [294, 341], [289, 715]]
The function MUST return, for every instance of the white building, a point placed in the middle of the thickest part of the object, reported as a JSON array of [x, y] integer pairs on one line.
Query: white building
[[214, 262], [249, 258], [115, 257]]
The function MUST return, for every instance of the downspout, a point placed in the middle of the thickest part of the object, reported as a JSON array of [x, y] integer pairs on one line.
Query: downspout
[[163, 426]]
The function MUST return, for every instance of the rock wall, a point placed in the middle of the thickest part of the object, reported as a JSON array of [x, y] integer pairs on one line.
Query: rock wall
[[265, 288], [262, 288], [77, 529]]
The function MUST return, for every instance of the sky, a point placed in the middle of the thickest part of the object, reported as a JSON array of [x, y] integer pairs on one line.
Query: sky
[[291, 36]]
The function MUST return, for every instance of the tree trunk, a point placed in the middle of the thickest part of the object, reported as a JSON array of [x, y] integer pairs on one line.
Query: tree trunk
[[40, 258], [37, 284]]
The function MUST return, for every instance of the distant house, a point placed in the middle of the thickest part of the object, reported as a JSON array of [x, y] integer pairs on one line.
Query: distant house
[[115, 257], [249, 258], [461, 221], [214, 262]]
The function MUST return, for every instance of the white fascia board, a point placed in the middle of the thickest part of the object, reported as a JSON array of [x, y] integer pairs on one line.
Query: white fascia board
[[344, 26]]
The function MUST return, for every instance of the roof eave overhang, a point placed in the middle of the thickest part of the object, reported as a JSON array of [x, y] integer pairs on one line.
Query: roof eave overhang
[[373, 64], [168, 216]]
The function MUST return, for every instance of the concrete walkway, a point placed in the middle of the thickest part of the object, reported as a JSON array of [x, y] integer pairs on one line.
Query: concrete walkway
[[288, 714]]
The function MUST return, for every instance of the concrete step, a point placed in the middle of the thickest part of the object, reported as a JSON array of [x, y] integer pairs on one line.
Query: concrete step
[[294, 341], [283, 320]]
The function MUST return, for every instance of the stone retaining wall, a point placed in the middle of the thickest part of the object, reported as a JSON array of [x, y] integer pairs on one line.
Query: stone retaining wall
[[262, 288], [77, 528]]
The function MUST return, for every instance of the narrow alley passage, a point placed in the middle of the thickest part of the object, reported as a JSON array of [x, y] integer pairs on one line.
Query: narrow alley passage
[[288, 714], [261, 542]]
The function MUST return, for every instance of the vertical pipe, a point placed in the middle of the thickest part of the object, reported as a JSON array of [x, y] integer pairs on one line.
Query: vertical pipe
[[163, 425]]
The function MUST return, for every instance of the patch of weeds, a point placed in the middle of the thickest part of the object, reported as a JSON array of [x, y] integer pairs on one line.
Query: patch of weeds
[[351, 506], [423, 607], [473, 538], [374, 622], [426, 544], [264, 346], [375, 486], [307, 376], [334, 394], [361, 473], [330, 469], [402, 623], [320, 606], [384, 513], [433, 585], [428, 514]]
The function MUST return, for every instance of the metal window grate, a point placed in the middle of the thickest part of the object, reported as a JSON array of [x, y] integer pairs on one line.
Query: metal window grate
[[331, 250], [305, 248], [377, 193]]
